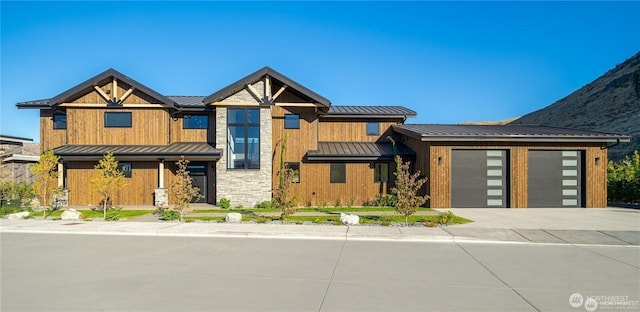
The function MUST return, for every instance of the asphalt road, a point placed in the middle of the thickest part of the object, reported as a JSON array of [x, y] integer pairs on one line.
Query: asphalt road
[[53, 272]]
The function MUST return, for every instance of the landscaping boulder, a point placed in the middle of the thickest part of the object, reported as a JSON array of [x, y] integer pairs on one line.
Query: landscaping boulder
[[71, 215], [18, 215], [349, 219], [233, 217]]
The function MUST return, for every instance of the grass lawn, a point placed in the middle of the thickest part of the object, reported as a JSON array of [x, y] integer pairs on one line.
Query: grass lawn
[[383, 220], [305, 209], [94, 214]]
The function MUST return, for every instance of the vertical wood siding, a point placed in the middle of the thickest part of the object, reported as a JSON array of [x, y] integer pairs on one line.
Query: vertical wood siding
[[352, 130], [440, 186], [139, 190], [519, 158], [137, 97], [179, 134], [596, 177], [49, 137], [148, 127]]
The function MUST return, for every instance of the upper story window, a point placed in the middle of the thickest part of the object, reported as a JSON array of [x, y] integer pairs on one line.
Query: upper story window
[[59, 121], [117, 119], [195, 122], [243, 138], [373, 128], [338, 173], [292, 121], [125, 168]]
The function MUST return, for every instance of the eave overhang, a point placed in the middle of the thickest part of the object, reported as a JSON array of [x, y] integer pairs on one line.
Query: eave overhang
[[171, 152], [358, 152]]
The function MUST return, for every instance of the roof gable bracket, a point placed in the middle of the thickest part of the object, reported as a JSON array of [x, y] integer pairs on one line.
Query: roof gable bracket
[[115, 101]]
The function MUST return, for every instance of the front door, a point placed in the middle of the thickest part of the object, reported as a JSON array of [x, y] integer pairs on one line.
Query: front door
[[198, 173]]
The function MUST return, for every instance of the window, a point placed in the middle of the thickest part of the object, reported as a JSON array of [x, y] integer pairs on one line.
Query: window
[[292, 121], [243, 138], [195, 122], [125, 168], [338, 173], [295, 166], [381, 173], [373, 128], [117, 119], [59, 121]]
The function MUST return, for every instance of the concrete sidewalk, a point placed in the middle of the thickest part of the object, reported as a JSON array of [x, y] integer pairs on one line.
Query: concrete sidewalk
[[610, 226]]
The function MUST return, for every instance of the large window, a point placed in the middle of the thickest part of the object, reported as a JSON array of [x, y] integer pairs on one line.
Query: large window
[[295, 166], [381, 173], [338, 173], [373, 128], [117, 119], [243, 138], [59, 121], [195, 122], [292, 121]]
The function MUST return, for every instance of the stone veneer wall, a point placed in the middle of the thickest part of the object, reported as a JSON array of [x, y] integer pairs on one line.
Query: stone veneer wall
[[245, 187]]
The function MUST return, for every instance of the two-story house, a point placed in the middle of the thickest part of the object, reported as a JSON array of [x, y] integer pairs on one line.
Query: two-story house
[[234, 139]]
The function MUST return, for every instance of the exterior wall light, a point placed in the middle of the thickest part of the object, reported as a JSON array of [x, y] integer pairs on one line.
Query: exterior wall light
[[439, 160], [597, 161]]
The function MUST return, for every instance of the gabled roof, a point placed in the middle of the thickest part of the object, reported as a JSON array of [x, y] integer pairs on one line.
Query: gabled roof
[[88, 85], [369, 112], [251, 78], [525, 133], [358, 151], [190, 150]]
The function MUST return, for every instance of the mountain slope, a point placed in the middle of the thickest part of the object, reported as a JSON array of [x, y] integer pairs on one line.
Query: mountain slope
[[610, 103]]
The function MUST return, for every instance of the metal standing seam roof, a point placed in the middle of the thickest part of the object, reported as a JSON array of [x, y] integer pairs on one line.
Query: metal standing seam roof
[[427, 132], [198, 150], [358, 151], [370, 111], [253, 77], [187, 101], [89, 83]]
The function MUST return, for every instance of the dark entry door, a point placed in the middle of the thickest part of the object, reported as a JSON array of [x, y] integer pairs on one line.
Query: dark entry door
[[555, 179], [479, 178], [198, 173]]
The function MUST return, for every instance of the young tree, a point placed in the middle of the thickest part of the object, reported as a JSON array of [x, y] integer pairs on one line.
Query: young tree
[[282, 197], [46, 184], [109, 179], [406, 190], [182, 191]]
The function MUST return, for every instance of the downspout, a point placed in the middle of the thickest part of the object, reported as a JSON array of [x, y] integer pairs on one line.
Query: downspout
[[612, 145]]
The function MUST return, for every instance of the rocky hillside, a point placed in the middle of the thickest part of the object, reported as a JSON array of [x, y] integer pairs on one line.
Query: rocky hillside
[[610, 103]]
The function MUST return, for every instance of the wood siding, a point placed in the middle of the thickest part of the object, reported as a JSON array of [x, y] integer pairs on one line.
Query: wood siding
[[137, 97], [595, 176], [179, 134], [49, 137], [148, 127], [352, 130], [139, 190]]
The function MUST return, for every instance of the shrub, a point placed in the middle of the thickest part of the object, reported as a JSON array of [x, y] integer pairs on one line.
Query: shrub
[[169, 215], [265, 204], [113, 214], [387, 200], [224, 203], [445, 218], [623, 179]]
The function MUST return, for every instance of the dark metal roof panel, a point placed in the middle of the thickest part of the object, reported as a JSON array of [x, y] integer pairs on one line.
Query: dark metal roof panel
[[358, 151], [200, 150], [187, 100], [34, 104], [375, 111], [504, 133], [253, 77]]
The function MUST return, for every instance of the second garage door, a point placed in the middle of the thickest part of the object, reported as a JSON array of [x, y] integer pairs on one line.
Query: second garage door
[[479, 178], [555, 179]]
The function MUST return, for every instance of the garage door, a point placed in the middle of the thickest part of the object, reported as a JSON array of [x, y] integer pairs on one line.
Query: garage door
[[555, 179], [479, 178]]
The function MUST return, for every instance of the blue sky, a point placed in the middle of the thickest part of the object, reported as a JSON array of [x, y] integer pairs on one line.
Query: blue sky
[[449, 61]]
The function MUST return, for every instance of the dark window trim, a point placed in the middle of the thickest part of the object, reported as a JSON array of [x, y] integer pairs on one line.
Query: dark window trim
[[379, 174], [297, 164], [118, 113], [246, 124], [185, 117], [122, 166], [377, 132], [53, 118], [297, 121], [333, 179]]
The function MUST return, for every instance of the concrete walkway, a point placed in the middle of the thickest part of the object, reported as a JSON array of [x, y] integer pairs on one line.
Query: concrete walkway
[[610, 226]]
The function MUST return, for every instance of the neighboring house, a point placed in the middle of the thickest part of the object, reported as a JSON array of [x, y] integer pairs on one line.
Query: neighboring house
[[342, 154], [17, 155]]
